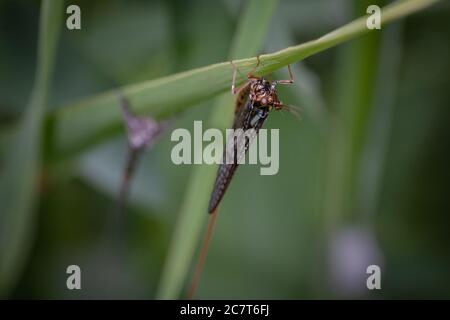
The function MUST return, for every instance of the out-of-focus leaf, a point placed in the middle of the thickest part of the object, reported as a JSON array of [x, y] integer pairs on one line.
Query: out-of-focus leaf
[[356, 74], [355, 89], [22, 161]]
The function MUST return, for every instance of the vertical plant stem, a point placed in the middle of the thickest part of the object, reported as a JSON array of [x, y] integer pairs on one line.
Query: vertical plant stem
[[128, 171], [356, 74], [371, 177], [19, 178], [248, 40]]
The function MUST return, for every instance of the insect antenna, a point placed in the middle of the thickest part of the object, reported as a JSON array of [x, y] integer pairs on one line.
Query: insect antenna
[[294, 110]]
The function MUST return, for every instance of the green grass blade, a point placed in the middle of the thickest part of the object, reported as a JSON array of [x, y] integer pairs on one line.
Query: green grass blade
[[356, 74], [376, 149], [193, 214], [86, 122], [20, 173]]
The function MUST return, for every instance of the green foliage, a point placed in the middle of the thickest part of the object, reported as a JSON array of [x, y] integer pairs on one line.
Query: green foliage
[[192, 215], [270, 241], [21, 171], [76, 126]]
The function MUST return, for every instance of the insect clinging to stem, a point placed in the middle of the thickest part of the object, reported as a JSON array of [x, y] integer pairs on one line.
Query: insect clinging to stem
[[255, 99]]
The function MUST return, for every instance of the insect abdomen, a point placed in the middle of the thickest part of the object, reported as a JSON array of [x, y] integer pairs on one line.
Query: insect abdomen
[[224, 175]]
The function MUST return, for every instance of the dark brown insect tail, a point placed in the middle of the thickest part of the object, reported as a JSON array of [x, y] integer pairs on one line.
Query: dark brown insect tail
[[203, 253]]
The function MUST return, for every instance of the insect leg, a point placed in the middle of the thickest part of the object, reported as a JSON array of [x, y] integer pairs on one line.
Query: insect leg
[[235, 90], [290, 81], [250, 75]]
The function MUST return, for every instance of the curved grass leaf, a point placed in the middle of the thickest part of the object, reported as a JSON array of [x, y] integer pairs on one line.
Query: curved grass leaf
[[86, 122]]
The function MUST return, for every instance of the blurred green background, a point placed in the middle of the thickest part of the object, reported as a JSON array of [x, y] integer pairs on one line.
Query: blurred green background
[[363, 178]]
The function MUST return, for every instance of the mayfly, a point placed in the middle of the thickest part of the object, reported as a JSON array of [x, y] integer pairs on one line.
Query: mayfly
[[255, 99]]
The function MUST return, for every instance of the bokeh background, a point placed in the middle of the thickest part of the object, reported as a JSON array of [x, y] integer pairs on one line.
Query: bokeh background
[[364, 176]]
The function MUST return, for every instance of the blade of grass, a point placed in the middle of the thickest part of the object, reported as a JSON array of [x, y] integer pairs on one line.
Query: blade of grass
[[375, 153], [357, 67], [78, 125], [355, 72], [21, 169], [248, 40]]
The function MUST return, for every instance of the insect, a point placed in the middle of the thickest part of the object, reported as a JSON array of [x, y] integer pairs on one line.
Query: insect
[[255, 99]]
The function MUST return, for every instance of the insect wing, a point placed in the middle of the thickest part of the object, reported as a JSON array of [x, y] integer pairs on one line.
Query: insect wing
[[246, 119]]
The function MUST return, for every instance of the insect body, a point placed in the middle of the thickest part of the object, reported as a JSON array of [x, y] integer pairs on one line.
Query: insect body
[[255, 99]]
